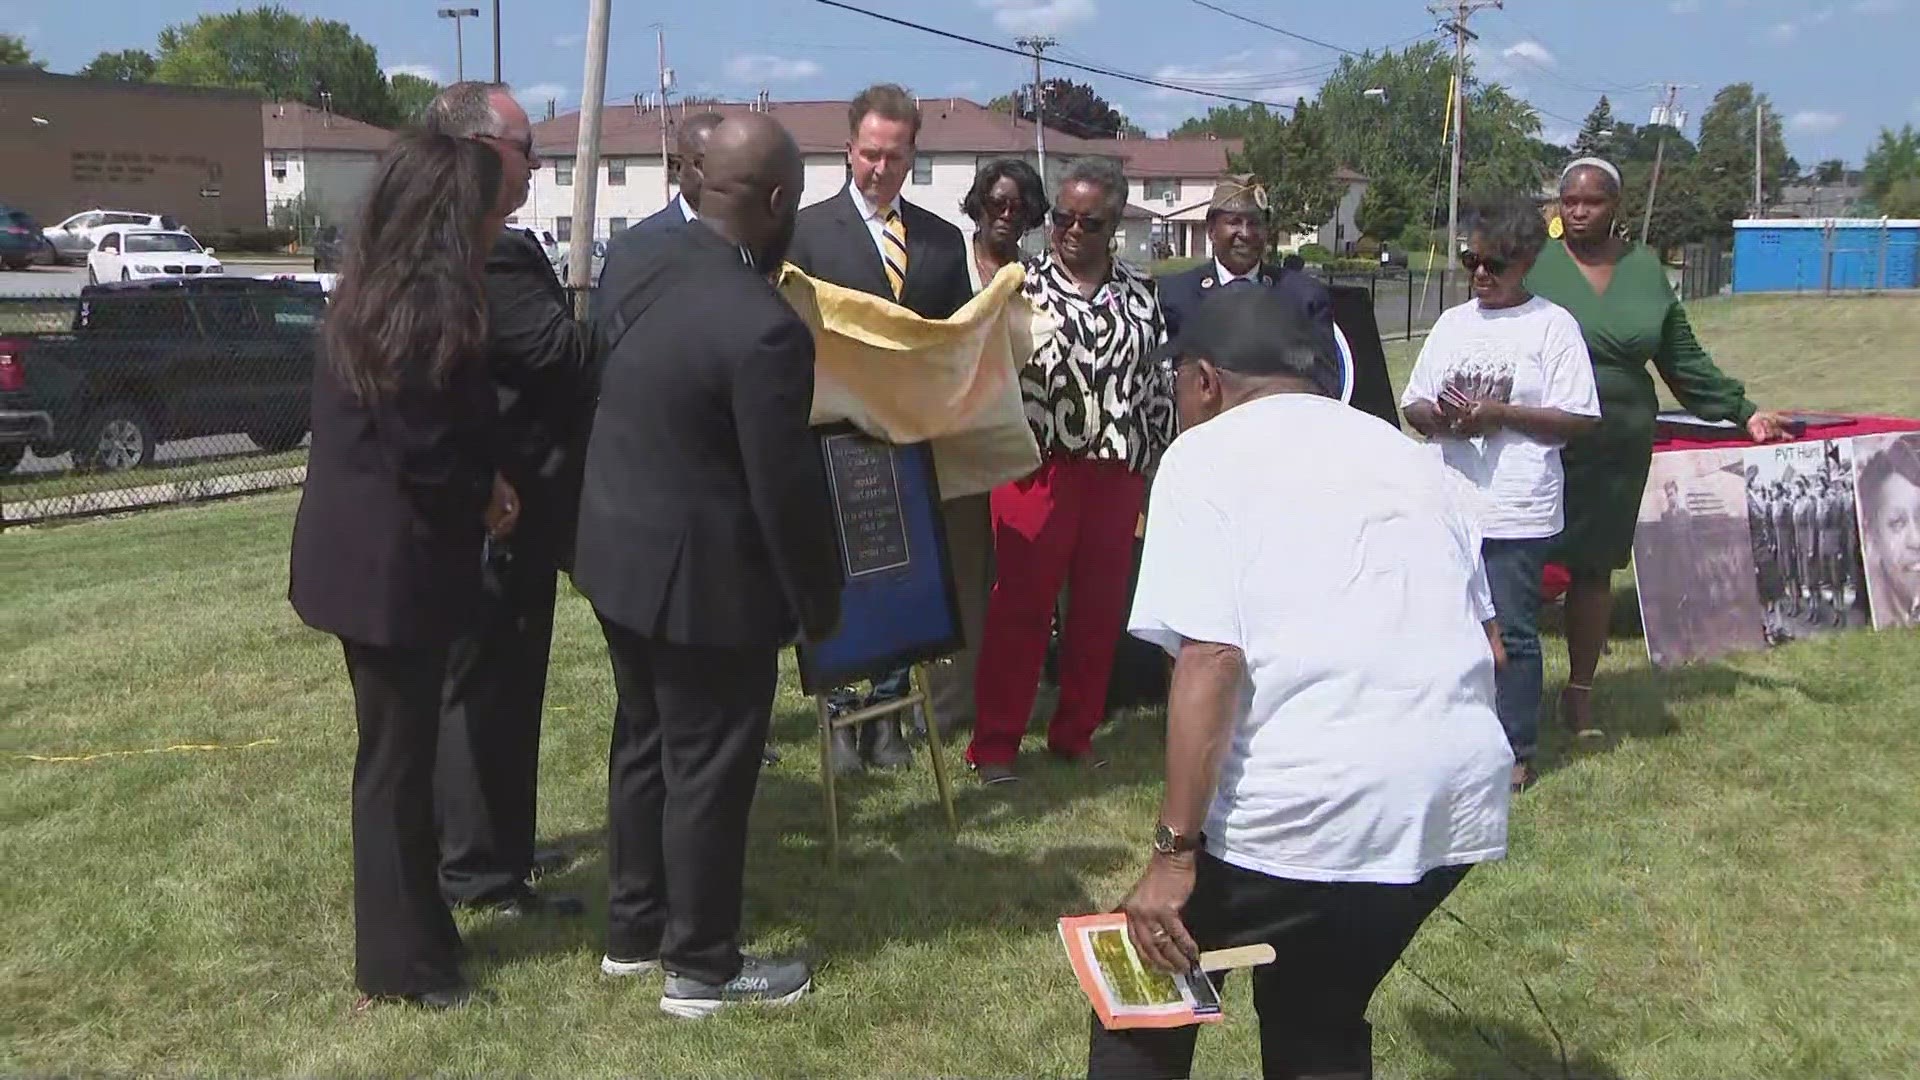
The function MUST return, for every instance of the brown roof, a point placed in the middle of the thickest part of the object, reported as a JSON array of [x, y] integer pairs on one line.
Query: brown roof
[[1169, 159], [290, 125], [949, 125]]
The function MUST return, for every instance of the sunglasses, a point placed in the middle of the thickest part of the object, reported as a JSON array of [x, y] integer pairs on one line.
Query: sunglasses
[[525, 146], [1065, 220], [1002, 207], [1472, 260]]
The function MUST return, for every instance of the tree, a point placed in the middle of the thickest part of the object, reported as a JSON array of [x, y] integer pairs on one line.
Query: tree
[[1231, 122], [1895, 157], [1071, 107], [14, 52], [1680, 214], [1597, 132], [1386, 209], [411, 95], [279, 54], [1830, 171], [1902, 200], [1725, 161], [1295, 162], [127, 65]]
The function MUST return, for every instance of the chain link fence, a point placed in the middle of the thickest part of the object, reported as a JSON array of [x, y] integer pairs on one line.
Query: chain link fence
[[153, 393]]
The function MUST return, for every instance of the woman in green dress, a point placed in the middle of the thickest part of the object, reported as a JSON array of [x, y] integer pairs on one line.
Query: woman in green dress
[[1629, 315]]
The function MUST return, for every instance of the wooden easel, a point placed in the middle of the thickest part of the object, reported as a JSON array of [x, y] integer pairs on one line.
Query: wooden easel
[[935, 747]]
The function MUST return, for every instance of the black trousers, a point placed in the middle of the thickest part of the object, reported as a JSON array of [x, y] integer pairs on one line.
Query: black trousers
[[687, 738], [1333, 943], [404, 940], [485, 781]]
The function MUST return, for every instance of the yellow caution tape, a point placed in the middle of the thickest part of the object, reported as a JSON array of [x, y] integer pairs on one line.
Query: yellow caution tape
[[176, 748]]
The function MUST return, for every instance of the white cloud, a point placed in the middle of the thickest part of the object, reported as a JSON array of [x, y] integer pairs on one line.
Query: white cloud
[[1557, 132], [1038, 16], [1815, 122], [1877, 7], [1532, 52], [418, 71], [534, 98], [1684, 7], [1824, 14], [1781, 33], [1269, 75], [761, 68]]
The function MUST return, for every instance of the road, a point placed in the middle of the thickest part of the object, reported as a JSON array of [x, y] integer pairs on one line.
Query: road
[[68, 280]]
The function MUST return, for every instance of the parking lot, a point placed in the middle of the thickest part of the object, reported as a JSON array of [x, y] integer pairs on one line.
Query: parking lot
[[68, 280]]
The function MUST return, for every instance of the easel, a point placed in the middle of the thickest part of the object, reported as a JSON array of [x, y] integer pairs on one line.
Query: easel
[[935, 747]]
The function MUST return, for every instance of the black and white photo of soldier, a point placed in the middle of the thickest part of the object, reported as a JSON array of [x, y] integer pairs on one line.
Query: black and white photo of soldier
[[1805, 532], [1887, 472], [1694, 558]]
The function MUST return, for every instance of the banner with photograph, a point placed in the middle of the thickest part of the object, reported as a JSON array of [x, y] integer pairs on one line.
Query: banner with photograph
[[1887, 486]]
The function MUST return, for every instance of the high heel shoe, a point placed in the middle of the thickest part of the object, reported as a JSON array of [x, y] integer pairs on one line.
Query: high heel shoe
[[1582, 727]]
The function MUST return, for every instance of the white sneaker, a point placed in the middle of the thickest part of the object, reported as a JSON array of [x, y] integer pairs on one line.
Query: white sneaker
[[621, 969]]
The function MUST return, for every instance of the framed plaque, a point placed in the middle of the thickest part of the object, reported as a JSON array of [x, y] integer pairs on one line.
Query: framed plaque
[[898, 606]]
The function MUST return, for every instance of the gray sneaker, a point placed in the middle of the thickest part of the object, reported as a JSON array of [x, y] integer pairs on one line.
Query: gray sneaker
[[760, 982]]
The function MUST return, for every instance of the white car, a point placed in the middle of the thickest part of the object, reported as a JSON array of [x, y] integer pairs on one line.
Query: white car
[[75, 237], [124, 254]]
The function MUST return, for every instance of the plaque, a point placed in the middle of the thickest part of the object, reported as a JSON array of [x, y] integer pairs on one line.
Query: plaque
[[866, 501], [898, 606]]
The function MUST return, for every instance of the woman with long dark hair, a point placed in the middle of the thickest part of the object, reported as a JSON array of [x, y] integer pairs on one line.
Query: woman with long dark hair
[[401, 496]]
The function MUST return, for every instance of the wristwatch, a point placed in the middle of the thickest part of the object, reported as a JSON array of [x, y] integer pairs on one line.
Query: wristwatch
[[1168, 842]]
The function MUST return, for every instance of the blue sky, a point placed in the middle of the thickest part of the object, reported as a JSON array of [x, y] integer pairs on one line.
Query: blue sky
[[1837, 69]]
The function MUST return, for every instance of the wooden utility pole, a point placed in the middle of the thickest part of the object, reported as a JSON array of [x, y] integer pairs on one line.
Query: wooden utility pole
[[1659, 156], [666, 174], [496, 42], [1038, 45], [1457, 14], [1759, 132], [586, 179]]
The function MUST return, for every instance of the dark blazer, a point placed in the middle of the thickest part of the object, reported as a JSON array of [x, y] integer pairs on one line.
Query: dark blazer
[[1181, 294], [624, 257], [832, 243], [704, 519], [538, 355], [387, 540]]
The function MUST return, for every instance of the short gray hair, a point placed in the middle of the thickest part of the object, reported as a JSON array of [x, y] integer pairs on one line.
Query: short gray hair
[[465, 110], [1511, 225], [1102, 172]]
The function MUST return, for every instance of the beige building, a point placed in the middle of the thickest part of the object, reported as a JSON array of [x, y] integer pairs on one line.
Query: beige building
[[319, 159]]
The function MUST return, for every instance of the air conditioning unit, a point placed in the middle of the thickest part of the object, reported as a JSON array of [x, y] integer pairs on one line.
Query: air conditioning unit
[[1167, 198]]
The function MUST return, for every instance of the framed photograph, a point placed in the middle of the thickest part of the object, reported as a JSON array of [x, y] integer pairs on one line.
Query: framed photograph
[[1693, 560], [899, 606]]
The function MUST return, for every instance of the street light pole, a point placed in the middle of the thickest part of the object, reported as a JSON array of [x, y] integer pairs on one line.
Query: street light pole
[[459, 43], [496, 42]]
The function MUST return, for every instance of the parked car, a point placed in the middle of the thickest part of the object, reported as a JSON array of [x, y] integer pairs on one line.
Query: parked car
[[151, 361], [21, 242], [329, 250], [73, 238], [564, 251], [133, 254]]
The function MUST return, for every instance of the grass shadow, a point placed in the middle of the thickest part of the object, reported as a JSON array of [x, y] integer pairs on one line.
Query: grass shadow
[[1640, 703], [1461, 1044]]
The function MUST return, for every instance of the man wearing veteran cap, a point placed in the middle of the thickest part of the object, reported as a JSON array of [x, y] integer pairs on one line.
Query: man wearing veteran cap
[[1237, 227]]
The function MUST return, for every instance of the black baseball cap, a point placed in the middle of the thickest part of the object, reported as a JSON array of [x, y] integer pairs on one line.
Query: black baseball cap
[[1253, 330]]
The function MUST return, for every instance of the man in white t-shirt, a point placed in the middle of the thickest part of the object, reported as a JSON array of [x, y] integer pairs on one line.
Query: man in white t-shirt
[[1334, 764], [1503, 381]]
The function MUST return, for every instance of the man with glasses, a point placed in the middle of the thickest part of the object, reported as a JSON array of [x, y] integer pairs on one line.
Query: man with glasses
[[488, 762]]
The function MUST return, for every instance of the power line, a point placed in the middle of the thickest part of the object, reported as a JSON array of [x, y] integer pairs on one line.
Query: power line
[[1269, 26], [1089, 68]]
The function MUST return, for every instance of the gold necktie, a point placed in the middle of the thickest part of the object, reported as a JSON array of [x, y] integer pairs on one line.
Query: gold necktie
[[893, 251]]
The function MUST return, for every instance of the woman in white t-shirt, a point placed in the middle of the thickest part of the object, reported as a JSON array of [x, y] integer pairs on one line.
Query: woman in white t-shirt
[[1502, 383]]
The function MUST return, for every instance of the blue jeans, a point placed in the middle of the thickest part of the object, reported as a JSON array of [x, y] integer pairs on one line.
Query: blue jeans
[[895, 684], [1513, 575]]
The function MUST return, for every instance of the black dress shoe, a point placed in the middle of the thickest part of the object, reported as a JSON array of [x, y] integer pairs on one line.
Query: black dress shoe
[[530, 904], [549, 860], [882, 745], [843, 756]]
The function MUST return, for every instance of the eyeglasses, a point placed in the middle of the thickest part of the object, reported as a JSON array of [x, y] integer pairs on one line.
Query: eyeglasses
[[525, 146], [1065, 220], [1473, 260], [997, 207]]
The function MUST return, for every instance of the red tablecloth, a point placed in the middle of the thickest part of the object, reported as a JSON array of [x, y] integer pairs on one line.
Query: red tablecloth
[[1554, 579]]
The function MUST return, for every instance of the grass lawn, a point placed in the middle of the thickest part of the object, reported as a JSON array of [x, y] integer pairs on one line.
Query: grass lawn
[[1729, 887]]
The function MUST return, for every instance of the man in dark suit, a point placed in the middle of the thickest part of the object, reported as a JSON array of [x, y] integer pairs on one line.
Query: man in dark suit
[[1237, 227], [487, 770], [690, 149], [869, 238], [706, 544]]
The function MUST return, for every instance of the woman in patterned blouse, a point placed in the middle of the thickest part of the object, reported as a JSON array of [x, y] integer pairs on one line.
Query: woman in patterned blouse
[[1102, 413]]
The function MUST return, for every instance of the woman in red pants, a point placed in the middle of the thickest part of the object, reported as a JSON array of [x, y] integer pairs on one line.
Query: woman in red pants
[[1102, 412]]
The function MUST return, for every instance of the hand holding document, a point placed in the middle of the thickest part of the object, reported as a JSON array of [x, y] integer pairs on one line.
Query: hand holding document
[[1125, 993]]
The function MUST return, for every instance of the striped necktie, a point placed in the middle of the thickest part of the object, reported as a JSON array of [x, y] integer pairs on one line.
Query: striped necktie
[[893, 250]]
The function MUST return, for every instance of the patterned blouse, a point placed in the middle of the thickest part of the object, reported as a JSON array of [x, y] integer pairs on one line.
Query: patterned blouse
[[1092, 389]]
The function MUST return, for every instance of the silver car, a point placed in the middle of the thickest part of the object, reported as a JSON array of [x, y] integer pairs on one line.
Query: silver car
[[73, 239]]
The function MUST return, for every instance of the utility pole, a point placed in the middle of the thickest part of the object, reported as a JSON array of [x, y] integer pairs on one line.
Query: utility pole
[[496, 42], [586, 186], [459, 41], [1759, 130], [1457, 14], [666, 77], [1037, 45], [1659, 156]]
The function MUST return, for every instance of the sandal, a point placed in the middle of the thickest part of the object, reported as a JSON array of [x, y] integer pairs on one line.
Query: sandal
[[1581, 730]]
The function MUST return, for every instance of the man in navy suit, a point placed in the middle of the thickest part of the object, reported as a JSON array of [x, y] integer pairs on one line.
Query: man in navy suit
[[1237, 227], [690, 150], [867, 237]]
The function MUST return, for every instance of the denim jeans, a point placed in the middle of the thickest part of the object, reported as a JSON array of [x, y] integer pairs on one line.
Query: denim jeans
[[1513, 575]]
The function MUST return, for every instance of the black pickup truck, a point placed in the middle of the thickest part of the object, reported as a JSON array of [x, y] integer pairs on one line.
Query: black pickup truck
[[146, 362]]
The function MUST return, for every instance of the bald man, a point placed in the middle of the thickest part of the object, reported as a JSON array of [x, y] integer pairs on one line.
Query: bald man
[[705, 546], [487, 766]]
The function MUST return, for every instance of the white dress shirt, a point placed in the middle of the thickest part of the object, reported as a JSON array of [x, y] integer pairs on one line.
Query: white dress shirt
[[1227, 277], [686, 210], [875, 217]]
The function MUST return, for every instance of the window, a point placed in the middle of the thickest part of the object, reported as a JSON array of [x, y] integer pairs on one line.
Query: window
[[922, 170], [279, 159], [563, 229], [617, 224], [616, 172], [563, 172], [1164, 190], [110, 242]]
